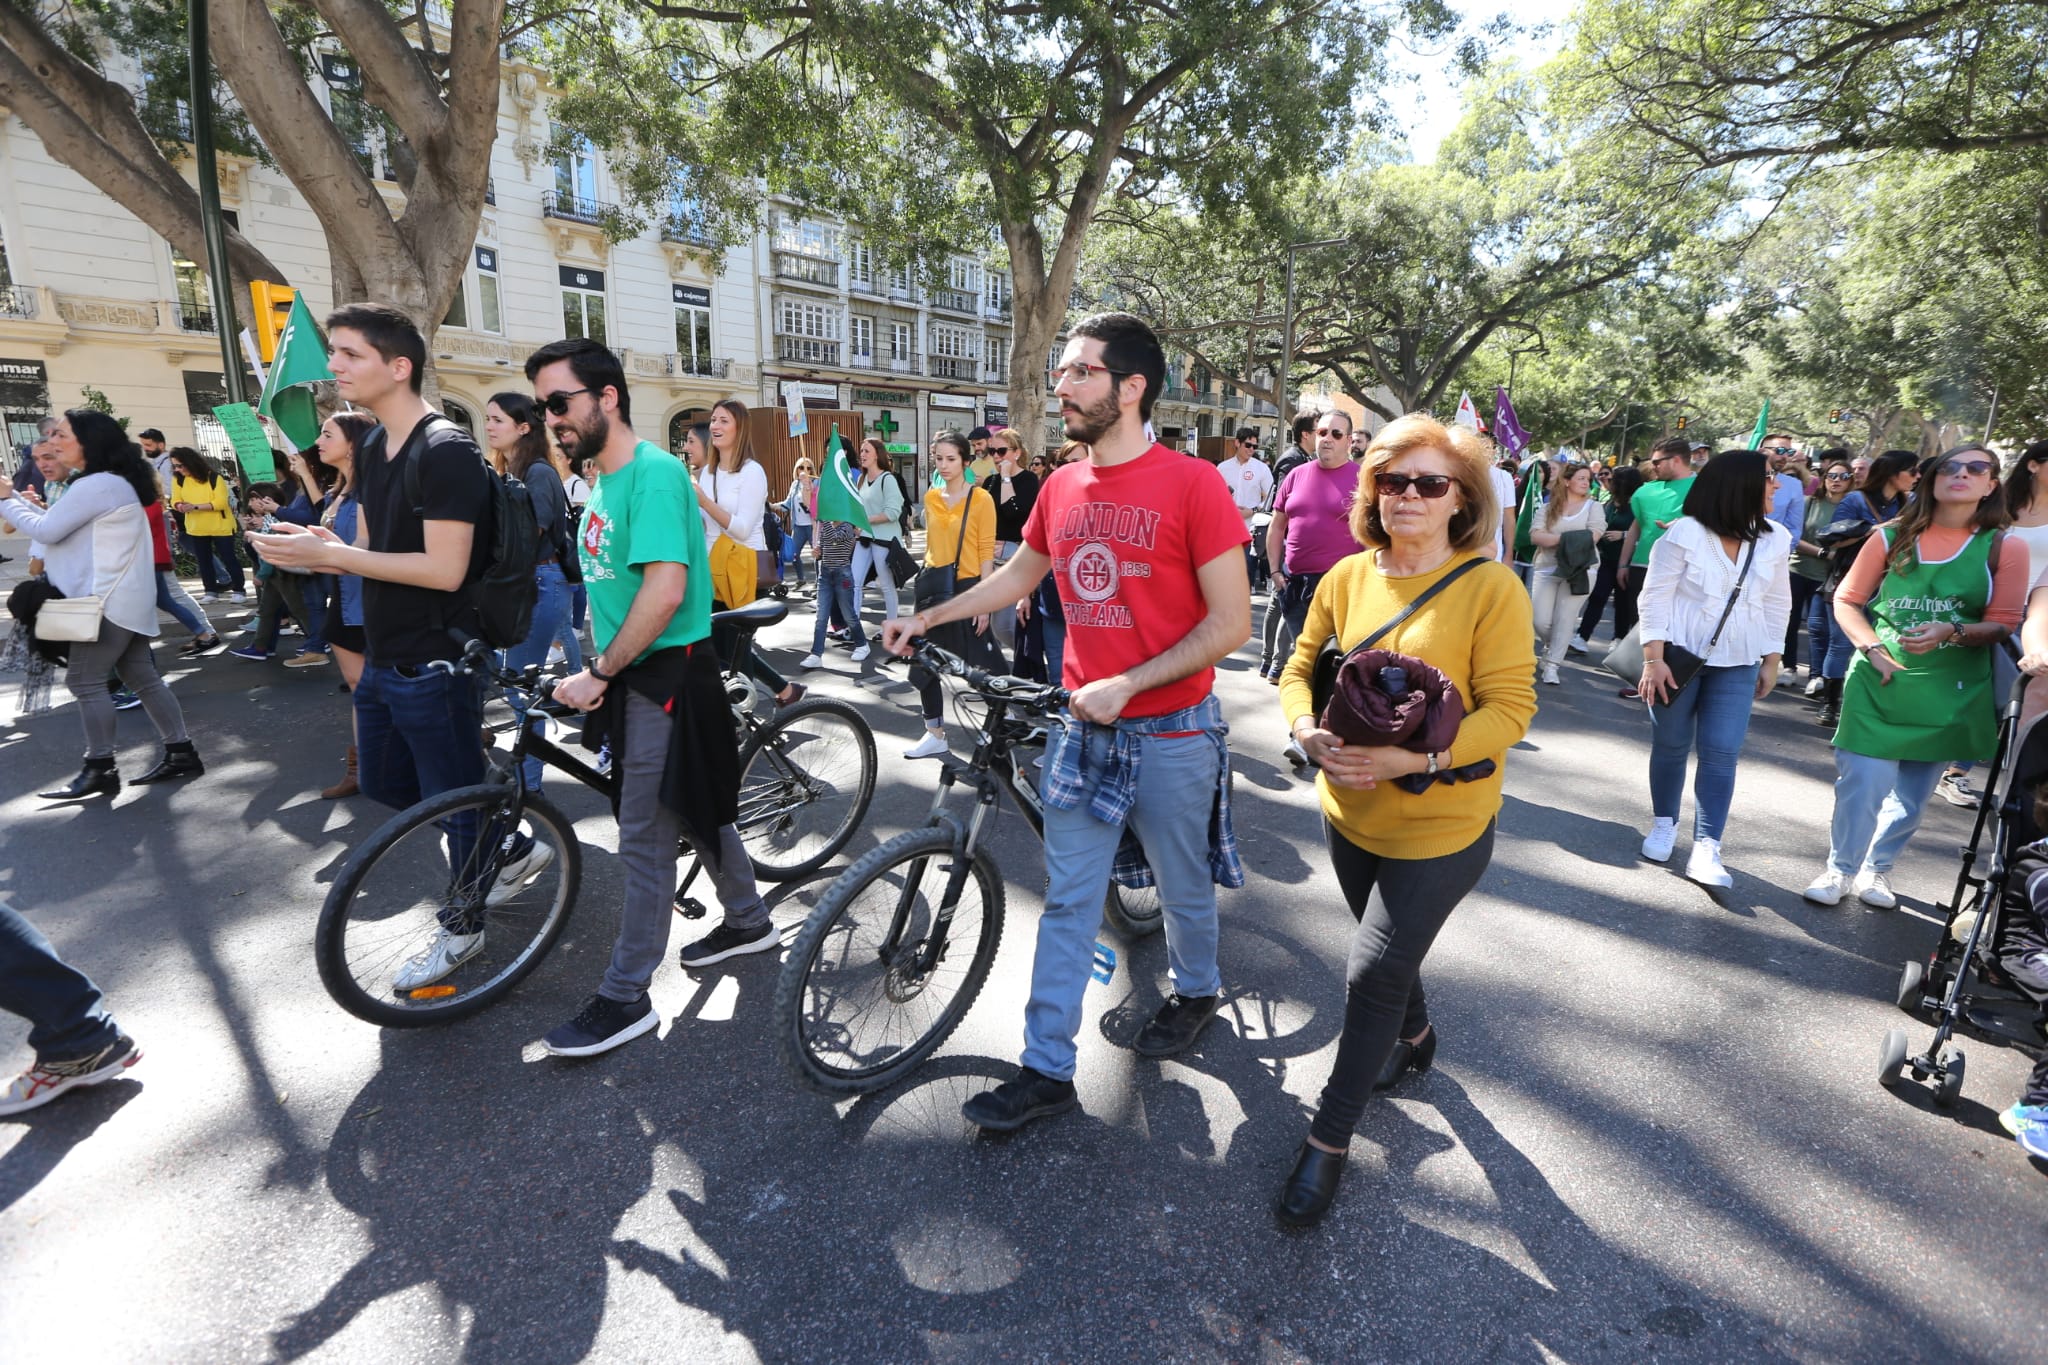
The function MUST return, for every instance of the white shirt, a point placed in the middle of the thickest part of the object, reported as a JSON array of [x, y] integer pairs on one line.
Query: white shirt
[[1249, 481], [1687, 586], [1591, 516], [95, 542], [744, 495], [1504, 494]]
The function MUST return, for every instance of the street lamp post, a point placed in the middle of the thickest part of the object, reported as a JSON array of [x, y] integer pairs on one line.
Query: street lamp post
[[1286, 405], [209, 204]]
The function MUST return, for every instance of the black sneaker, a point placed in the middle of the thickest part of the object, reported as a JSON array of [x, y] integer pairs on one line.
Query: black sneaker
[[726, 941], [1028, 1095], [1176, 1025], [601, 1025]]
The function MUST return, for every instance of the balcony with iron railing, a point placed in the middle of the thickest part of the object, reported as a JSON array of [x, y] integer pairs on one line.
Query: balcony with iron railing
[[806, 269], [996, 379], [574, 208], [955, 301], [807, 350], [1261, 408], [688, 231], [998, 311], [954, 367], [192, 317], [702, 366], [1233, 402], [903, 291], [17, 301]]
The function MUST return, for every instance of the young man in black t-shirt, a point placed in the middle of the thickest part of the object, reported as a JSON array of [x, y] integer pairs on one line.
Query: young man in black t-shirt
[[416, 725]]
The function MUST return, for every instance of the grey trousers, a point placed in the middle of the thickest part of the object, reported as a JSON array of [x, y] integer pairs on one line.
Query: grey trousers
[[648, 832], [119, 650]]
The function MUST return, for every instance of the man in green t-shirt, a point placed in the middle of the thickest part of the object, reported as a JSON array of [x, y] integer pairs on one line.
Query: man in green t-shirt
[[1657, 503], [655, 686]]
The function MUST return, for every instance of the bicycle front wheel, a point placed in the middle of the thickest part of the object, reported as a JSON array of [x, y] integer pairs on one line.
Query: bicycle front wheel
[[888, 964], [806, 779], [409, 935]]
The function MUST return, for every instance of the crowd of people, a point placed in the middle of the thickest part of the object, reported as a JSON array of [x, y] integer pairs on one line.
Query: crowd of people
[[1421, 591]]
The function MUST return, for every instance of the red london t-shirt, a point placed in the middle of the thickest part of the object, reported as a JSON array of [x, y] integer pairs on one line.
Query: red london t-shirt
[[1126, 542]]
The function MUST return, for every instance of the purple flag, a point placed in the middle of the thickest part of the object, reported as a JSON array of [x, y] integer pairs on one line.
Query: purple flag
[[1507, 428]]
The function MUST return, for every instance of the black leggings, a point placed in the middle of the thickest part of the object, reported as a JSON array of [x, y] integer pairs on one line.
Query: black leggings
[[1400, 905]]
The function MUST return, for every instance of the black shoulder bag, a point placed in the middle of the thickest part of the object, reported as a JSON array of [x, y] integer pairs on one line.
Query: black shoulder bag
[[1331, 658]]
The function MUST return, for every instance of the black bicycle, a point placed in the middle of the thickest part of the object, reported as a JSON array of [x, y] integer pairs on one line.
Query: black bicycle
[[899, 946], [807, 776]]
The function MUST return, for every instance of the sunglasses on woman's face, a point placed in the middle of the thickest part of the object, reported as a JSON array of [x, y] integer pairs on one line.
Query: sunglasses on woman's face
[[1836, 476], [1957, 468], [998, 450], [1425, 485]]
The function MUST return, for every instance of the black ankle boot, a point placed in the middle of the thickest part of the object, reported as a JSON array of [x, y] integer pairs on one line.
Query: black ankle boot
[[96, 778], [179, 760], [1310, 1188], [1831, 704], [1407, 1057]]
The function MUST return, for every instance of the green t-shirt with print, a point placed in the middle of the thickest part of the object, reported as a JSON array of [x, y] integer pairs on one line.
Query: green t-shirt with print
[[1655, 502], [645, 513]]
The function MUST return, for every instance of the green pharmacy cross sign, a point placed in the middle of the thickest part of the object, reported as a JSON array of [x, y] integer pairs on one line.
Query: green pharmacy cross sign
[[887, 425]]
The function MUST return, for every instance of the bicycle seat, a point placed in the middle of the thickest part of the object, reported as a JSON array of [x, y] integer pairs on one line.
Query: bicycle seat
[[762, 611]]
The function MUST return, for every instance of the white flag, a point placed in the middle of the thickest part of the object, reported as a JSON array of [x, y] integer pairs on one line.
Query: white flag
[[1468, 416]]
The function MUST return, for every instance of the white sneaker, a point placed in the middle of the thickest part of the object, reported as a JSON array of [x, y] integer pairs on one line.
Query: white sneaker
[[513, 877], [812, 661], [556, 656], [1816, 685], [1828, 888], [1704, 866], [860, 654], [207, 597], [1657, 843], [931, 746], [1577, 645], [442, 955], [1550, 675], [1874, 890], [238, 597]]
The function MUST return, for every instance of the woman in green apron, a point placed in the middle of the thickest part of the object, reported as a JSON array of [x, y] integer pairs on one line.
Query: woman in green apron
[[1929, 597]]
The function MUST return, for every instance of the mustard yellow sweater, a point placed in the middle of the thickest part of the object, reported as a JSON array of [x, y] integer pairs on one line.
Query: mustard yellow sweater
[[1478, 632]]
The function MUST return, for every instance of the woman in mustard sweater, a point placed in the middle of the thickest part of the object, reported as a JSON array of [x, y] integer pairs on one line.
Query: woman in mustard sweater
[[1405, 859], [200, 492]]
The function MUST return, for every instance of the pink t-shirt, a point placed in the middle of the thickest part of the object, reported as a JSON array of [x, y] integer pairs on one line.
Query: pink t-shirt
[[1317, 502], [1125, 542]]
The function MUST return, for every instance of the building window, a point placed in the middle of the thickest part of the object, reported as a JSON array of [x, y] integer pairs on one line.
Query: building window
[[693, 328], [964, 275], [576, 169], [997, 297], [860, 341], [583, 303], [6, 270], [902, 346], [807, 238], [860, 267], [955, 342], [490, 313], [815, 320]]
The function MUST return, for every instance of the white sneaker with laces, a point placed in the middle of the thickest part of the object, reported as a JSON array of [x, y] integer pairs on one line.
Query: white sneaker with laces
[[1828, 888], [931, 746], [442, 955], [1875, 890], [1577, 645], [1658, 842], [513, 876], [557, 657], [1550, 675], [1816, 685], [811, 661], [1704, 864], [860, 654]]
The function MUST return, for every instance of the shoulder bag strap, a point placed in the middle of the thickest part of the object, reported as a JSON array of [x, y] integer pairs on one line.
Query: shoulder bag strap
[[966, 506], [1735, 592], [1423, 600]]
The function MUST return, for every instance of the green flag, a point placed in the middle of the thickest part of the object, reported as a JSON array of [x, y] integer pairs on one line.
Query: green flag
[[301, 361], [1532, 494], [1763, 427], [837, 500]]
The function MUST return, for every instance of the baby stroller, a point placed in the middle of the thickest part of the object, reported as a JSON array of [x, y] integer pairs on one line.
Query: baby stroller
[[1966, 985]]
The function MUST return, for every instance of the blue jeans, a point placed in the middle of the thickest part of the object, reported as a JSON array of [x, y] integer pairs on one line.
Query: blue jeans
[[835, 602], [550, 623], [802, 536], [1712, 714], [1840, 651], [1176, 792], [1820, 610], [219, 570], [1878, 805], [62, 1006], [417, 737], [172, 597]]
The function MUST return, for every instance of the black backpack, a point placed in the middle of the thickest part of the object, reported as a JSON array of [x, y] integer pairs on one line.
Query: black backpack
[[505, 593]]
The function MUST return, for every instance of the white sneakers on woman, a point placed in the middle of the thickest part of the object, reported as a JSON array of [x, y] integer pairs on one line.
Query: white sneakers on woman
[[1550, 674], [1871, 887], [1828, 888], [1658, 842], [1704, 866], [931, 746]]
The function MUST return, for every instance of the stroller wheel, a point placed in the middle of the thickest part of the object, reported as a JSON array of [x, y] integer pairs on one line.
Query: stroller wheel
[[1910, 982], [1949, 1081], [1891, 1058]]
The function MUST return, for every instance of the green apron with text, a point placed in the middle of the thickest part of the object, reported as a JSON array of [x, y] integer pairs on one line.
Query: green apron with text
[[1938, 708]]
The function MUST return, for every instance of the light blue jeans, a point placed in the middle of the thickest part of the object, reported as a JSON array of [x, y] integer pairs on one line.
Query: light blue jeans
[[550, 623], [1712, 715], [1176, 793], [1878, 805]]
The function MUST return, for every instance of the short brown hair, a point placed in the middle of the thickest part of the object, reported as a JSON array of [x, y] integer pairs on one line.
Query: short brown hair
[[1478, 516]]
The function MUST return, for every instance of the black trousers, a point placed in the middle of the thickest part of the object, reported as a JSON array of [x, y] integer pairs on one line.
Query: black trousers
[[1401, 905], [1803, 589], [1603, 588]]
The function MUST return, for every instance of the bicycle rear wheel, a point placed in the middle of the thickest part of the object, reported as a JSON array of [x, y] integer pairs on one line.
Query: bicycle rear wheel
[[398, 891], [873, 982], [806, 779], [1136, 912]]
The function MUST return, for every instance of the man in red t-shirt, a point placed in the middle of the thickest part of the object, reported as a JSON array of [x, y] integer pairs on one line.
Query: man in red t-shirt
[[1148, 551]]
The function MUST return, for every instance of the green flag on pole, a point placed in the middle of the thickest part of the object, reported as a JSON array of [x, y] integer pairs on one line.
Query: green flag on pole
[[1532, 495], [1763, 427], [301, 361], [837, 500]]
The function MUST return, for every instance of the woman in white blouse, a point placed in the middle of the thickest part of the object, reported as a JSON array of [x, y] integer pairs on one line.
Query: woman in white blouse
[[1723, 549], [733, 494], [1557, 608], [96, 544]]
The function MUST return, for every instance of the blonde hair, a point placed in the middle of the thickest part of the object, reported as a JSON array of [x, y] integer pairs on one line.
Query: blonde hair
[[1561, 477], [1478, 515], [1012, 438]]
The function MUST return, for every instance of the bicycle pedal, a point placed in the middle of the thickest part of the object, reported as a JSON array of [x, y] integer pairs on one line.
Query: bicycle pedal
[[689, 907]]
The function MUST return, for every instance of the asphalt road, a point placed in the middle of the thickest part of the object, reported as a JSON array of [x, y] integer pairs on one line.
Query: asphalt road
[[1653, 1130]]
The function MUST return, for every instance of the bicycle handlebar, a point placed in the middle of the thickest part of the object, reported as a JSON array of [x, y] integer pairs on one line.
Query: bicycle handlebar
[[480, 658], [999, 686]]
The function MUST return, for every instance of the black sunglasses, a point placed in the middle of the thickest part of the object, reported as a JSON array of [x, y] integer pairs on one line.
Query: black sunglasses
[[1836, 474], [1955, 467], [1779, 450], [1426, 485], [557, 404]]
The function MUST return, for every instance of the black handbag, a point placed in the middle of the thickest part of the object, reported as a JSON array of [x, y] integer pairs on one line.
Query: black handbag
[[1322, 684], [935, 582], [900, 564]]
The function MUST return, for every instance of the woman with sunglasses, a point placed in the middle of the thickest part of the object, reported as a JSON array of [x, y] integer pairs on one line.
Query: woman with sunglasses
[[1879, 496], [1016, 491], [1719, 584], [1812, 598], [1926, 603], [1405, 859], [800, 504]]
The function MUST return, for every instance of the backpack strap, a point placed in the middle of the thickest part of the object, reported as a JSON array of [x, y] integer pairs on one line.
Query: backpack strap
[[409, 468]]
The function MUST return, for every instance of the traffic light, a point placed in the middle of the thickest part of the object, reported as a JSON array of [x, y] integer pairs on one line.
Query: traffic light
[[273, 309], [1681, 424]]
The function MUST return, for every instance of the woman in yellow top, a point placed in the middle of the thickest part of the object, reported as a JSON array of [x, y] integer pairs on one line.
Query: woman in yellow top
[[201, 494], [945, 506], [1405, 859]]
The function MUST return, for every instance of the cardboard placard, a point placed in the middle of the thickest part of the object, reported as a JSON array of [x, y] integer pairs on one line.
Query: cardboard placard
[[252, 446]]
